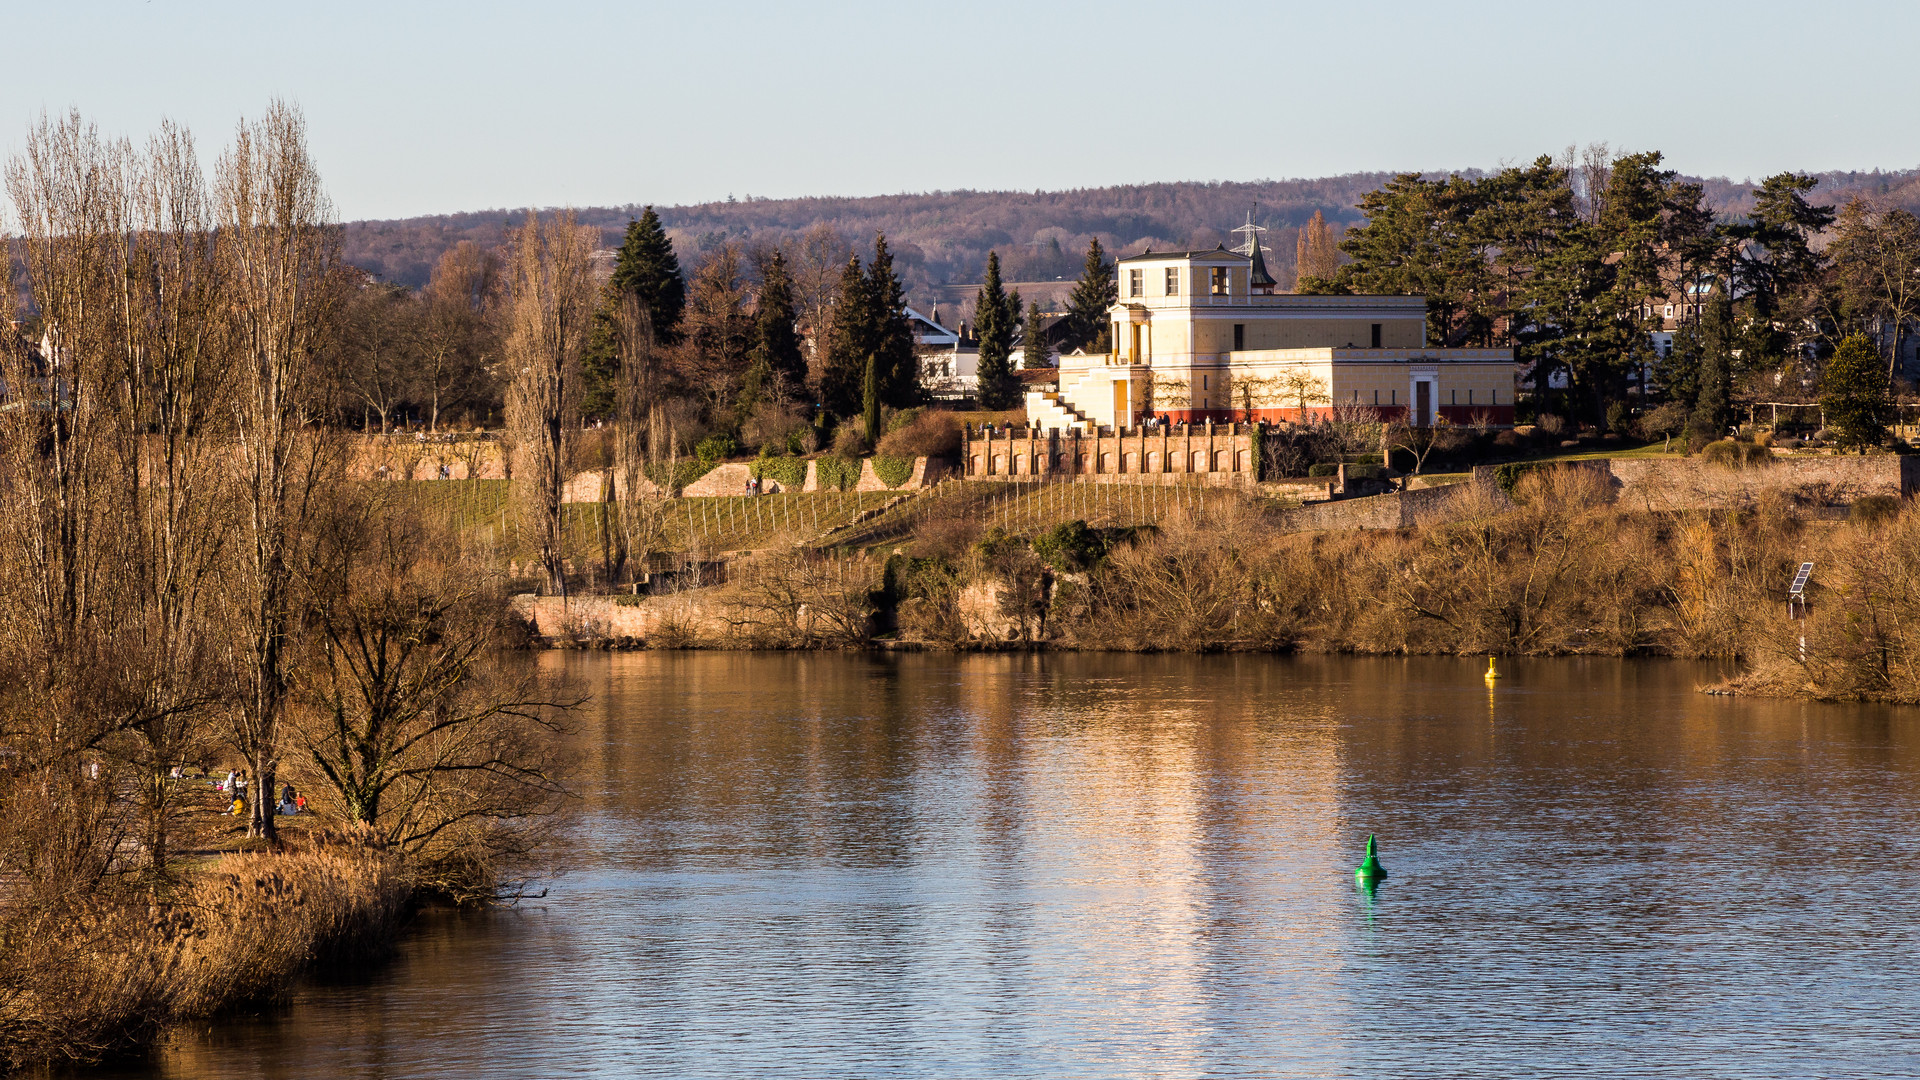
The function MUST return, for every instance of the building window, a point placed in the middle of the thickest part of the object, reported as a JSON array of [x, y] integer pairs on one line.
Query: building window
[[1376, 336], [1173, 281], [1469, 395], [1239, 336], [1203, 382], [1376, 396], [1669, 311], [1455, 400], [1219, 281], [1136, 283]]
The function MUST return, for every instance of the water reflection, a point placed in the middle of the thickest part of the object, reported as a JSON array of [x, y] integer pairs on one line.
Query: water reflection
[[1142, 867]]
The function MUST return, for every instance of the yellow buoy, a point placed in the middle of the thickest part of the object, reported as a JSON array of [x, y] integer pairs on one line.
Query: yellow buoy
[[1493, 673]]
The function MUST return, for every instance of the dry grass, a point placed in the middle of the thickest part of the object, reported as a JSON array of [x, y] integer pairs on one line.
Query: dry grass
[[80, 983]]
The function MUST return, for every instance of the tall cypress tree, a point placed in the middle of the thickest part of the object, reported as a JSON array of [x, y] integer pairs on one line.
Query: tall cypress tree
[[1092, 295], [892, 341], [870, 401], [994, 314]]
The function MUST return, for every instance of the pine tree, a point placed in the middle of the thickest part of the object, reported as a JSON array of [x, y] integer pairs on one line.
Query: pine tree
[[1087, 307], [848, 337], [994, 314], [647, 267], [1713, 401], [1854, 395], [776, 344], [870, 401], [891, 343], [1036, 353]]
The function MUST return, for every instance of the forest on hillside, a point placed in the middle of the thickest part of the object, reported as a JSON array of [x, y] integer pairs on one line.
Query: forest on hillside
[[942, 238]]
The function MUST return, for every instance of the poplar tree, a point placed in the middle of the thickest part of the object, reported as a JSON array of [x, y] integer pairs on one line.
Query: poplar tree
[[1087, 306], [994, 313]]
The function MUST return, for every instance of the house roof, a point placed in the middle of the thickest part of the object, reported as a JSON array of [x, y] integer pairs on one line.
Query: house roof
[[1217, 254]]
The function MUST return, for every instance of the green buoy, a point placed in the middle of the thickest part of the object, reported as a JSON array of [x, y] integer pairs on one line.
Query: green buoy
[[1369, 870]]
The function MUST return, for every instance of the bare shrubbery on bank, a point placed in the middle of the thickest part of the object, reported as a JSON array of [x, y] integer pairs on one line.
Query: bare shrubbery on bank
[[189, 581], [1561, 568]]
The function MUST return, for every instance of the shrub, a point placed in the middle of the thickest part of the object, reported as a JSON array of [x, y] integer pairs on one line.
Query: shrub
[[1509, 474], [788, 471], [716, 447], [1325, 468], [1619, 418], [1872, 509], [836, 473], [1365, 472], [1551, 427], [1735, 455], [1722, 453], [892, 471], [924, 433], [1071, 547], [899, 418], [848, 441]]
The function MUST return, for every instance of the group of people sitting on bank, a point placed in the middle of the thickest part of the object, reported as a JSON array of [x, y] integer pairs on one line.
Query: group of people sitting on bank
[[234, 787]]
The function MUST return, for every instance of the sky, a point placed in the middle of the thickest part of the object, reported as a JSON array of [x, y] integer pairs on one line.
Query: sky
[[430, 107]]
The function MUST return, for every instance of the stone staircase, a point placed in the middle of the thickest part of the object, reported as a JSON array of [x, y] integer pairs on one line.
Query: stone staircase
[[1047, 410]]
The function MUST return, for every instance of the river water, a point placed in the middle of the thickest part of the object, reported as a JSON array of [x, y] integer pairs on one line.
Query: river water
[[1124, 866]]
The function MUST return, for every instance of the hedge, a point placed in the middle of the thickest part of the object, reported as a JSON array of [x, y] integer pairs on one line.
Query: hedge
[[835, 473], [892, 471], [789, 471], [686, 472]]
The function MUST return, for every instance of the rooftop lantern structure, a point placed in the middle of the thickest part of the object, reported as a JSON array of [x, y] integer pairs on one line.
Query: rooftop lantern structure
[[1260, 281]]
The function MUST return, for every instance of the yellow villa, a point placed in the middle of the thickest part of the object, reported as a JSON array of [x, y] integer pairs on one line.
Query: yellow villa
[[1203, 336]]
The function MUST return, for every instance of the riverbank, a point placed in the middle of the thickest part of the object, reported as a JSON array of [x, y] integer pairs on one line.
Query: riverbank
[[1562, 567], [112, 978]]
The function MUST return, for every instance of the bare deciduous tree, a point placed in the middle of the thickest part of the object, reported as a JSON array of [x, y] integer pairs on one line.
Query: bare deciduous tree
[[280, 249], [549, 317]]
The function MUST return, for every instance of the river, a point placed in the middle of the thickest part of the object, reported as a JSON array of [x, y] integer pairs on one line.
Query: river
[[1127, 866]]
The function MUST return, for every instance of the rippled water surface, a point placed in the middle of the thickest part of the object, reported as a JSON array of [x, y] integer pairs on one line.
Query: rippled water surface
[[1121, 866]]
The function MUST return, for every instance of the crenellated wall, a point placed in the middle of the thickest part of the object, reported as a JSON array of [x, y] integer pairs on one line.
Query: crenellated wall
[[1205, 453]]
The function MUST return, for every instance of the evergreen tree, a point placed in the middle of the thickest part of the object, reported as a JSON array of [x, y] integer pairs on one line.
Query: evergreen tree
[[1718, 338], [870, 401], [647, 267], [994, 315], [1854, 395], [891, 343], [1035, 351], [848, 338], [1087, 307], [776, 344]]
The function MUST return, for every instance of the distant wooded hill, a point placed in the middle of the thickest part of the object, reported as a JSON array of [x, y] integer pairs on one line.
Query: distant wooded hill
[[940, 240]]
